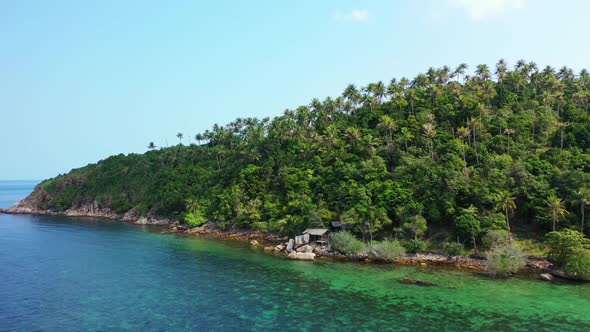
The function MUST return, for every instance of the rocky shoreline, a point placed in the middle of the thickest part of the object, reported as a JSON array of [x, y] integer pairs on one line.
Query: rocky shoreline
[[23, 207], [274, 243]]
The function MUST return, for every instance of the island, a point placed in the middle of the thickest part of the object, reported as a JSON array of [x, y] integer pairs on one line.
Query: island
[[494, 165]]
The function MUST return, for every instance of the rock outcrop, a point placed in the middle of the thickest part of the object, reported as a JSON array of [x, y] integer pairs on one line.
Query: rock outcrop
[[29, 206]]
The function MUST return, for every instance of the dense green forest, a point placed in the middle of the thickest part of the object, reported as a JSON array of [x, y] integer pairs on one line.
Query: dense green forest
[[446, 153]]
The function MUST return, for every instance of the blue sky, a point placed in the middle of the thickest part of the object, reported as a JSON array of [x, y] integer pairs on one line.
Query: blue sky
[[82, 80]]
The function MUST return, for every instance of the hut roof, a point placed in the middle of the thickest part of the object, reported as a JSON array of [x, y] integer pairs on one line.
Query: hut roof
[[316, 231]]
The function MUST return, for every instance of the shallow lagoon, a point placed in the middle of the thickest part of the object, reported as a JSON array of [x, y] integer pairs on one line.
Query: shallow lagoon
[[71, 274]]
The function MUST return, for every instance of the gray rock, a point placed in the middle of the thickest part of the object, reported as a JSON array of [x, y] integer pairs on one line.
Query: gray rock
[[546, 277], [305, 249], [302, 256]]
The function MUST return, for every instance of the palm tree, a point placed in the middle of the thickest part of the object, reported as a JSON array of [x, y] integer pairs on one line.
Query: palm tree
[[561, 125], [354, 135], [482, 72], [429, 133], [379, 91], [556, 208], [151, 146], [180, 136], [508, 132], [352, 94], [407, 136], [505, 202], [463, 132], [583, 198], [388, 125], [460, 71], [474, 124], [501, 69], [392, 89]]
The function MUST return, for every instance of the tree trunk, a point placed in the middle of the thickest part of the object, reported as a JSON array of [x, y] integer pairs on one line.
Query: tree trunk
[[508, 227], [561, 146], [508, 145], [464, 160], [582, 227], [475, 146]]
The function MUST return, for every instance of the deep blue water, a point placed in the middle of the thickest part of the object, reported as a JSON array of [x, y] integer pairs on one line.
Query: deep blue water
[[72, 274]]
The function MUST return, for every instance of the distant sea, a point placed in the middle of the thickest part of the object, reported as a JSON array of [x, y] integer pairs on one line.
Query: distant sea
[[86, 274]]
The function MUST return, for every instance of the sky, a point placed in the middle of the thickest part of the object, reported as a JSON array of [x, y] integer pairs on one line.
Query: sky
[[83, 80]]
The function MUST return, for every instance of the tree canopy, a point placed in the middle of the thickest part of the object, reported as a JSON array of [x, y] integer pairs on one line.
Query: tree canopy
[[411, 153]]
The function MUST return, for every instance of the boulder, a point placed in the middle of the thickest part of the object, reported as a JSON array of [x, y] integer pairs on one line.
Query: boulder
[[269, 248], [302, 256], [290, 245], [306, 249], [546, 277], [254, 243], [279, 247]]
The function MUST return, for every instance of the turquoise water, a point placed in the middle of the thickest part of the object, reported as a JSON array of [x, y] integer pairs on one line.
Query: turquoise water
[[60, 274]]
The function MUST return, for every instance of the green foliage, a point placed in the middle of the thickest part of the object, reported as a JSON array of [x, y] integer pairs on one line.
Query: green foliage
[[347, 244], [467, 225], [504, 260], [578, 266], [413, 156], [388, 250], [195, 219], [452, 248], [565, 244], [415, 246], [495, 237], [415, 225], [195, 216]]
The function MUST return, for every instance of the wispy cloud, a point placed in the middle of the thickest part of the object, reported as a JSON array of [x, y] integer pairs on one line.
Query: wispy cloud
[[356, 15], [483, 9]]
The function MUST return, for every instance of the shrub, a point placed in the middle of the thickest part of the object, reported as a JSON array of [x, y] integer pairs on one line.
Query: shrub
[[452, 248], [347, 243], [195, 219], [415, 246], [505, 260], [388, 249], [578, 266], [495, 237], [564, 244]]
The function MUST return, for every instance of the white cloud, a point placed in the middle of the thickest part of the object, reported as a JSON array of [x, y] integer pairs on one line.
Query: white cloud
[[483, 9], [356, 15]]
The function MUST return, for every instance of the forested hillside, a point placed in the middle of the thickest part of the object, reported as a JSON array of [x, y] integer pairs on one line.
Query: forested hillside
[[444, 151]]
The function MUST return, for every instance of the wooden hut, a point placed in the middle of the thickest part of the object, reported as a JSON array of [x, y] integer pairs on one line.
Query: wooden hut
[[318, 236], [338, 226]]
